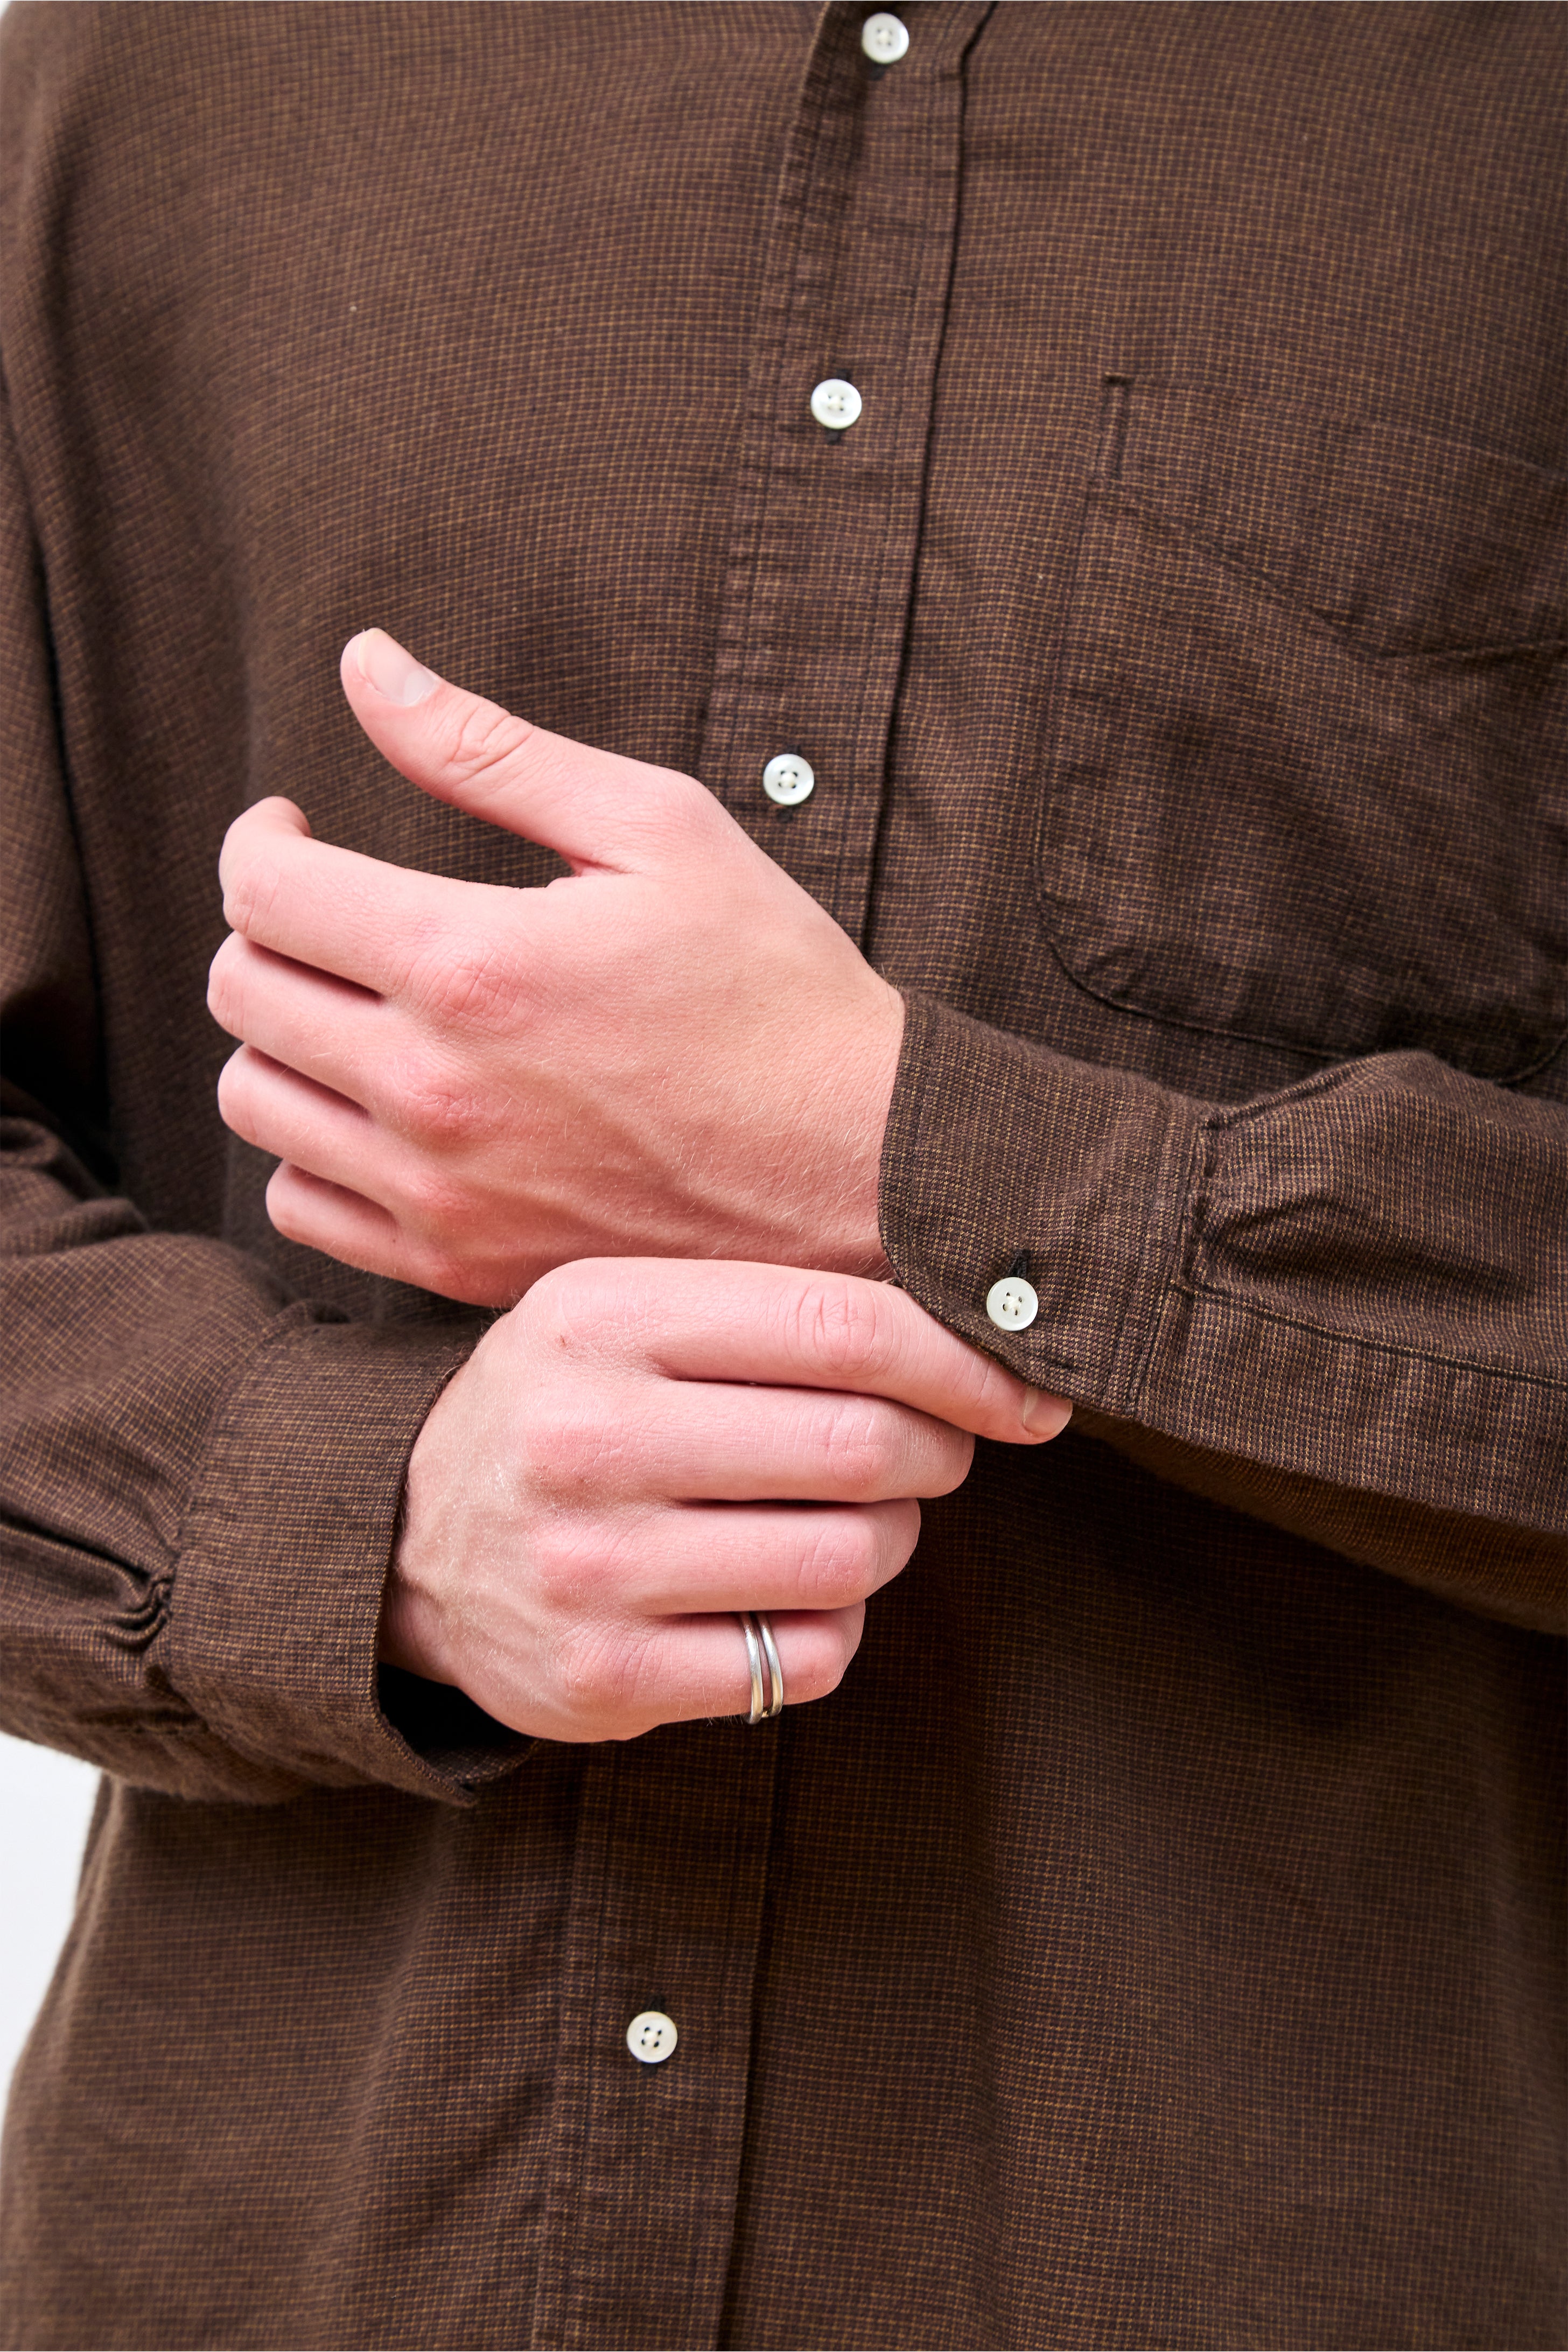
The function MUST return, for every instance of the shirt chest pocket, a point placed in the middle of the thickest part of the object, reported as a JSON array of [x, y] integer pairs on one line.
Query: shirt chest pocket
[[1305, 777]]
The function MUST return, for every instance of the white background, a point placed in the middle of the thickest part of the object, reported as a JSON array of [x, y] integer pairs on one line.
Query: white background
[[45, 1801]]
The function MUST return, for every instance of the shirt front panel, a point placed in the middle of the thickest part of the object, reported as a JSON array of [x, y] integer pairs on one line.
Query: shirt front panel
[[1002, 2019]]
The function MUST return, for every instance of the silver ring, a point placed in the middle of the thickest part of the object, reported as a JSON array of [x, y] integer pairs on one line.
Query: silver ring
[[763, 1652], [771, 1653], [754, 1660]]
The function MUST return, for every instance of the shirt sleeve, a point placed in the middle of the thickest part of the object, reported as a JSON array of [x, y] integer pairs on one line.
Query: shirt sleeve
[[199, 1474], [1342, 1308]]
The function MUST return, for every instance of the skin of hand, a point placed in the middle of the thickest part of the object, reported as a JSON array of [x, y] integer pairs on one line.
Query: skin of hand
[[672, 1051], [644, 1447], [606, 1098]]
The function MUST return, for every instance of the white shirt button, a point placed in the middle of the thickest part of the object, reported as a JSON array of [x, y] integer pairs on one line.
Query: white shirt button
[[651, 2036], [788, 780], [835, 404], [1012, 1303], [884, 38]]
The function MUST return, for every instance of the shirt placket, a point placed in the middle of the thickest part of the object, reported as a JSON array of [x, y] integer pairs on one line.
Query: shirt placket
[[669, 1875], [827, 519], [665, 1921]]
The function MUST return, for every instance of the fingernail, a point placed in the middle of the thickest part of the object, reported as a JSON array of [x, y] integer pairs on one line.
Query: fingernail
[[392, 671], [1045, 1415]]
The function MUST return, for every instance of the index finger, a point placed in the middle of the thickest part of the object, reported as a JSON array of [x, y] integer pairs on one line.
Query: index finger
[[329, 907], [724, 1319]]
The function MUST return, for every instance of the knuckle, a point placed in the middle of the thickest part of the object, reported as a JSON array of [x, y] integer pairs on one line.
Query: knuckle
[[479, 739], [225, 992], [841, 1561], [673, 806], [570, 1307], [857, 1441], [599, 1671], [433, 1207], [406, 1258], [564, 1566], [819, 1657], [901, 1524], [994, 1391], [952, 1459], [235, 1099], [543, 1321], [452, 1272], [838, 1326], [238, 898], [250, 889], [287, 1209], [433, 1103]]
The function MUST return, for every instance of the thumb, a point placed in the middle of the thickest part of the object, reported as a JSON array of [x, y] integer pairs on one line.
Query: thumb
[[594, 808]]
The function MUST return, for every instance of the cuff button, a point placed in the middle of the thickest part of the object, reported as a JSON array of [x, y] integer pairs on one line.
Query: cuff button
[[1012, 1304]]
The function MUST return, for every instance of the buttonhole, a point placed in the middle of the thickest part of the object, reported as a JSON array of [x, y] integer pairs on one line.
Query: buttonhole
[[1019, 1268], [1112, 426]]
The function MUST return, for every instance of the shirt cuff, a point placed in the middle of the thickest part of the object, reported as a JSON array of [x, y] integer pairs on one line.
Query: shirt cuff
[[994, 1147], [283, 1557], [1335, 1306]]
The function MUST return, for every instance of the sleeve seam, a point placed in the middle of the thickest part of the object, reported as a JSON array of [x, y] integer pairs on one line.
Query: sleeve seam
[[1186, 1216]]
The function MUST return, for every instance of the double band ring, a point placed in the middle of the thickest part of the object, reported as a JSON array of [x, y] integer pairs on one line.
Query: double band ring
[[762, 1657]]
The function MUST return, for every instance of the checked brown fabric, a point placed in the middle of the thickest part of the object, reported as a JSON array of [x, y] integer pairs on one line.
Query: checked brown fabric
[[1156, 1940]]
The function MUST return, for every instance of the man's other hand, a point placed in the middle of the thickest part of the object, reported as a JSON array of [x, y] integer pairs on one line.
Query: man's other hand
[[644, 1446], [672, 1051]]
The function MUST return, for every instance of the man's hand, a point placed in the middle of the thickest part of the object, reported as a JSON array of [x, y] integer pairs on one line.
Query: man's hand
[[643, 1447], [675, 1052]]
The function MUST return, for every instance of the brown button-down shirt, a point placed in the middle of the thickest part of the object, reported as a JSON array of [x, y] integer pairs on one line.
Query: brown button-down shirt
[[1153, 1942]]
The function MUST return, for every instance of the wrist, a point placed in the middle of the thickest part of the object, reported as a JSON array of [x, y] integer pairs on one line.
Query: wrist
[[846, 1117], [406, 1636], [410, 1632]]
